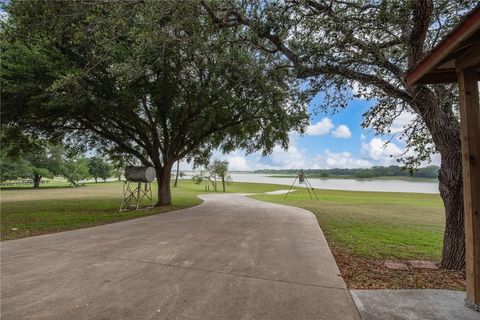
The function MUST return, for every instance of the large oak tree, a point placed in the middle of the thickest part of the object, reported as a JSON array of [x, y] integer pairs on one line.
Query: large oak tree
[[371, 45], [152, 79]]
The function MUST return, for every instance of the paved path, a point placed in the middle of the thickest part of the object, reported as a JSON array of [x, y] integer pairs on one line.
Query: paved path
[[413, 304], [229, 258]]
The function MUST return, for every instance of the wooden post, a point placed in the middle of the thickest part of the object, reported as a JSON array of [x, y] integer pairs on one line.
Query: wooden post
[[470, 130]]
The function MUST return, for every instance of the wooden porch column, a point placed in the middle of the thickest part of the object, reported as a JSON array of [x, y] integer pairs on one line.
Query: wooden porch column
[[470, 130]]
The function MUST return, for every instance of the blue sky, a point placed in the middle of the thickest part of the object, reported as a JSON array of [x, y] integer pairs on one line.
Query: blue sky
[[332, 141]]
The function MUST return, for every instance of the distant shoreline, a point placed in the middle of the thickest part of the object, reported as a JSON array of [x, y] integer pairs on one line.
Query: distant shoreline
[[403, 178]]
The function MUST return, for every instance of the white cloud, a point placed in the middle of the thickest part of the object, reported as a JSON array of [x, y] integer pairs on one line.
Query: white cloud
[[400, 123], [238, 163], [377, 150], [320, 128], [341, 160], [342, 131], [293, 157]]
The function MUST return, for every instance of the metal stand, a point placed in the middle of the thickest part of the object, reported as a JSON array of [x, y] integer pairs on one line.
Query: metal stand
[[134, 196], [302, 178]]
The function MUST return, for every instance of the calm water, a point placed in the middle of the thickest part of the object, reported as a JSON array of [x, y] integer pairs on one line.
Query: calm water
[[345, 184]]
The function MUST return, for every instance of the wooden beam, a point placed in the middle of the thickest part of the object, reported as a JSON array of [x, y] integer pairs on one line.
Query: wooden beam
[[466, 28], [470, 131], [439, 76], [469, 59]]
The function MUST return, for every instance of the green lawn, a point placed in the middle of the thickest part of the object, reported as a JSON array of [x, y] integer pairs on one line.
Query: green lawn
[[377, 225], [28, 212], [54, 183], [370, 224]]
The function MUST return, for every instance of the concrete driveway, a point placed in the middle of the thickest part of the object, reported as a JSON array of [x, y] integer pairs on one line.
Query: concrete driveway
[[229, 258]]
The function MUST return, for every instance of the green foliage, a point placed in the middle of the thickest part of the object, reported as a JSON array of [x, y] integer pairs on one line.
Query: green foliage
[[214, 172], [14, 168], [34, 163], [99, 168], [324, 174], [219, 168], [75, 170], [361, 49], [364, 173], [151, 79]]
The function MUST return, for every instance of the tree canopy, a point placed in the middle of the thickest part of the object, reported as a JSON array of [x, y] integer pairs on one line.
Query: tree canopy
[[34, 163], [99, 168], [150, 78], [365, 49]]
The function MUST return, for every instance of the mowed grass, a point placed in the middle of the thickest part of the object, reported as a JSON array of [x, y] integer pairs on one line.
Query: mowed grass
[[378, 225], [29, 212], [369, 224]]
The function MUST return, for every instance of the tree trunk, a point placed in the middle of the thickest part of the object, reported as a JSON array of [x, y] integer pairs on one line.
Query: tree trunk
[[176, 176], [163, 182], [445, 130], [223, 183], [451, 191], [95, 179], [36, 181]]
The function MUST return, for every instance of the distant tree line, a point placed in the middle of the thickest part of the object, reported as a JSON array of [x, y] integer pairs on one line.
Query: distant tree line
[[377, 171], [48, 161]]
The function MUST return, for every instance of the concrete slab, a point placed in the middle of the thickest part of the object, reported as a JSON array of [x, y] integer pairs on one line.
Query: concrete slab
[[425, 304], [229, 258], [420, 264], [395, 265]]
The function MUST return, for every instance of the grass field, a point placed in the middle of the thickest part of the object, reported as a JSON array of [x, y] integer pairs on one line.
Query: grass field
[[28, 212], [54, 183], [372, 224], [363, 228], [375, 224]]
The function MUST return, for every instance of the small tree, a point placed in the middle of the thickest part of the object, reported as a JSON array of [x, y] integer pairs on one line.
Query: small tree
[[206, 175], [99, 168], [220, 169]]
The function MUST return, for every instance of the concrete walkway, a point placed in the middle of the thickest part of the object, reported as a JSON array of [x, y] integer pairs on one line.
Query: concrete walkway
[[413, 304], [229, 258]]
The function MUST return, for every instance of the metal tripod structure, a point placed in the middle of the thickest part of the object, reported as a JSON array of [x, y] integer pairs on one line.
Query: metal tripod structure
[[135, 195], [301, 179]]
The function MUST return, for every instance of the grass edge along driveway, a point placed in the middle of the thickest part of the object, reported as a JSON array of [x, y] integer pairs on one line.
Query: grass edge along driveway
[[27, 212]]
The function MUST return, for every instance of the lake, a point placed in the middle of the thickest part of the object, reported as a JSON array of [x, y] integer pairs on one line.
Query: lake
[[345, 184]]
